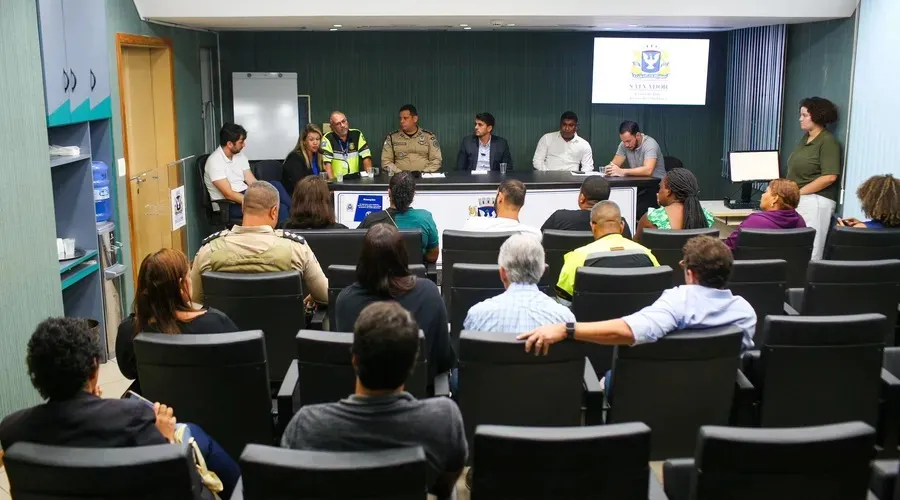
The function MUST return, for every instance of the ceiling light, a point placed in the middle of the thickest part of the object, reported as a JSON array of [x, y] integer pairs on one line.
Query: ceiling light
[[467, 28], [633, 25], [463, 25], [333, 29], [510, 24], [338, 26]]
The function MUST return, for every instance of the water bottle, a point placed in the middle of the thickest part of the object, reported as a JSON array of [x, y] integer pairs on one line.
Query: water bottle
[[102, 205]]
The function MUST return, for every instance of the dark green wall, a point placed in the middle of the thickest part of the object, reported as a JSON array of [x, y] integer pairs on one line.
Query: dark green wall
[[526, 80], [819, 63]]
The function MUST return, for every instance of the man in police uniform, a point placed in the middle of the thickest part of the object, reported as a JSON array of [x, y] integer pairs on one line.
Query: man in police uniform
[[411, 148], [254, 247], [343, 147]]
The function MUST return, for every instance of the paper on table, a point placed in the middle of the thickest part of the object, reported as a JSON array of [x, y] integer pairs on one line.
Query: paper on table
[[586, 174], [434, 175], [479, 172]]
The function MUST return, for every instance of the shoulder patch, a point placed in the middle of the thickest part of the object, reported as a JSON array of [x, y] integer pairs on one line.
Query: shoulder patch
[[213, 236], [427, 131], [296, 238]]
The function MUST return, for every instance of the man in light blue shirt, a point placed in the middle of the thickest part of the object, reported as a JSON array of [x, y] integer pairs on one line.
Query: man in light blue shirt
[[522, 307], [702, 303]]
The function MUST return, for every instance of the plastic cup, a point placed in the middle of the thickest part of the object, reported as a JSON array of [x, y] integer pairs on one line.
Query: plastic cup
[[503, 168]]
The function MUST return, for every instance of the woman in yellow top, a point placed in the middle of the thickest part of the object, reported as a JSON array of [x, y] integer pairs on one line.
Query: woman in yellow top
[[815, 166]]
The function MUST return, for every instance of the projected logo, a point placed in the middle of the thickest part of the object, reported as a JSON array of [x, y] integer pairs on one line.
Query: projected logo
[[484, 208], [650, 63]]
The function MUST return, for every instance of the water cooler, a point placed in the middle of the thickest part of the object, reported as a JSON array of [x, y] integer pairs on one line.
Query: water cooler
[[113, 282]]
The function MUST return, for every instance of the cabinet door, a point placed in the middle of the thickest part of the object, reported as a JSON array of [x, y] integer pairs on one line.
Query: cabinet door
[[76, 15], [53, 53], [98, 70]]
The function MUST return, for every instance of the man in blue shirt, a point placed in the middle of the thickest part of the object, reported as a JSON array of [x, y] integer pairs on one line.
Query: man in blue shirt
[[702, 303], [522, 307]]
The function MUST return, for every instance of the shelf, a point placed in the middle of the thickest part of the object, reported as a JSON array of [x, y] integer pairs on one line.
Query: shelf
[[69, 264], [80, 272], [57, 161]]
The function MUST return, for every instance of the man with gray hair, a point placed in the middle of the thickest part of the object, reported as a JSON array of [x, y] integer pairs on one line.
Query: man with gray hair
[[255, 247], [522, 307]]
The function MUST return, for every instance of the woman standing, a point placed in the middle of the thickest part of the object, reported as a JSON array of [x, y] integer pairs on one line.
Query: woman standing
[[304, 159], [679, 205], [815, 166]]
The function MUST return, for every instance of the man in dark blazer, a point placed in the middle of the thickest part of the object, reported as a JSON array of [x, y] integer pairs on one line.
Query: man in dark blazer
[[483, 150]]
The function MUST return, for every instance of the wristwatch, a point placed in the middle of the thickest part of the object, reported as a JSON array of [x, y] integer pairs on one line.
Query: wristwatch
[[570, 331]]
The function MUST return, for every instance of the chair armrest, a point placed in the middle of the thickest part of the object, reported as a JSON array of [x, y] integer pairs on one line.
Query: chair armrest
[[318, 319], [442, 384], [892, 360], [655, 491], [888, 415], [238, 490], [677, 474], [794, 298], [285, 397], [593, 395], [743, 405], [884, 478], [790, 311]]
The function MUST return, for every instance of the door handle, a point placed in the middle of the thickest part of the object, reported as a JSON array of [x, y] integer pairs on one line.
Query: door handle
[[93, 80], [66, 76], [75, 80], [139, 178]]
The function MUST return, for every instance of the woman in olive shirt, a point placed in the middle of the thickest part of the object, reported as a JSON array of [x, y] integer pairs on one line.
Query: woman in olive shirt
[[815, 166]]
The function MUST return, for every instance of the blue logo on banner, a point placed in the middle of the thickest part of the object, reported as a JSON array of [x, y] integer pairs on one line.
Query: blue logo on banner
[[367, 204]]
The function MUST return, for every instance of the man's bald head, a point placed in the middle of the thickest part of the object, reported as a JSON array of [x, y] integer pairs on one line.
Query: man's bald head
[[606, 218]]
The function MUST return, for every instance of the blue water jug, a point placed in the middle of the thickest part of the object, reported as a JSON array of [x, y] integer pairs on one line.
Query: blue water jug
[[102, 205]]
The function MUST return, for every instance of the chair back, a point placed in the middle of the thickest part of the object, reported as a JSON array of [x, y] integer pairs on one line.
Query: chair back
[[791, 245], [852, 243], [216, 219], [667, 246], [761, 283], [325, 371], [501, 384], [557, 244], [467, 247], [608, 293], [676, 385], [828, 463], [605, 461], [344, 246], [397, 474], [342, 276], [38, 471], [217, 381], [271, 302], [853, 287], [672, 163], [270, 170], [473, 283], [818, 370]]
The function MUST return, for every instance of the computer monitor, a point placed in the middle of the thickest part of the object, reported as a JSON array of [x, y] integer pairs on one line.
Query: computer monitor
[[749, 166]]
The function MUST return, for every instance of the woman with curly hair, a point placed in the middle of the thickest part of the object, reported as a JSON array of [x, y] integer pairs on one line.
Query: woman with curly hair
[[815, 166], [880, 198]]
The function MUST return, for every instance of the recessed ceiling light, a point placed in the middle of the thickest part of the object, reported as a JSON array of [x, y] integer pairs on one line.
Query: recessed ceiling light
[[510, 24], [333, 29], [463, 25], [633, 25], [467, 28], [338, 26]]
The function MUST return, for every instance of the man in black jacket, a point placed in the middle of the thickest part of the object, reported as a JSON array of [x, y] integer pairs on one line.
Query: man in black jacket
[[483, 150]]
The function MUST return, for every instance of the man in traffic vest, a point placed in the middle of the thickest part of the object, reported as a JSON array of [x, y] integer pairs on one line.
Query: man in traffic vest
[[344, 147]]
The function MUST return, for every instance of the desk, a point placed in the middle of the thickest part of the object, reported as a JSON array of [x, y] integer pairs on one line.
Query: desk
[[460, 195], [727, 219]]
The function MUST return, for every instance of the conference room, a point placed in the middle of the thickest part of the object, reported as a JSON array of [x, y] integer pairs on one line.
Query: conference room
[[644, 250]]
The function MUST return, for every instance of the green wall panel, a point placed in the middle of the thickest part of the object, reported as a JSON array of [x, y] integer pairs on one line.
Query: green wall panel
[[526, 80], [29, 274]]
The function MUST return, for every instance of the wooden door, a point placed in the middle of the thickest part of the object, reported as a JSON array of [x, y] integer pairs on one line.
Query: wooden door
[[147, 100]]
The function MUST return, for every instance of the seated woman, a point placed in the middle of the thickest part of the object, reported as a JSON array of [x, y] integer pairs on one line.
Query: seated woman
[[312, 206], [779, 210], [880, 199], [304, 159], [382, 274], [401, 191], [63, 359], [679, 205], [162, 304]]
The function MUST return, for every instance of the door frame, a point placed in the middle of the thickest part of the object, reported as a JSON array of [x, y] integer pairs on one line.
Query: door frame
[[149, 42]]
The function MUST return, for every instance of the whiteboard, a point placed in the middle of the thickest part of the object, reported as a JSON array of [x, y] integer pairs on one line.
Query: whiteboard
[[266, 105]]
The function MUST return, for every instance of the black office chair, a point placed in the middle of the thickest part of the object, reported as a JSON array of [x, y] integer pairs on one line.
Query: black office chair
[[323, 372], [218, 381], [883, 483], [274, 473], [269, 170], [605, 461], [791, 245], [271, 302], [826, 463], [608, 293], [467, 247], [558, 243], [851, 243], [667, 246], [675, 385], [672, 163], [815, 370], [500, 384], [849, 287], [340, 277], [217, 211], [344, 246], [762, 283], [473, 283]]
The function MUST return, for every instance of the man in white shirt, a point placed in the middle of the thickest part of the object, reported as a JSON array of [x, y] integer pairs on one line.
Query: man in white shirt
[[508, 203], [227, 173], [564, 150]]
